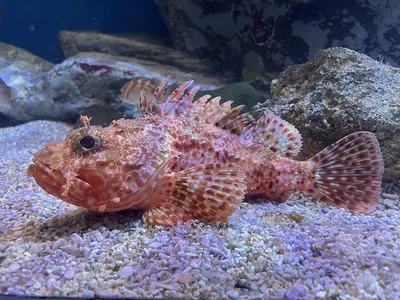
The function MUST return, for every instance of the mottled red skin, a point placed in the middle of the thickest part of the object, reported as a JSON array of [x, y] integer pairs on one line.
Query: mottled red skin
[[130, 152], [197, 160]]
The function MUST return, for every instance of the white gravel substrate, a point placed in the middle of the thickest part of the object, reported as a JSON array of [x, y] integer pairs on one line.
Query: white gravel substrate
[[296, 250]]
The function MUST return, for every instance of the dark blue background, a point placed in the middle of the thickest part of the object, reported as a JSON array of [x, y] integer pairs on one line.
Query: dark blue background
[[48, 17]]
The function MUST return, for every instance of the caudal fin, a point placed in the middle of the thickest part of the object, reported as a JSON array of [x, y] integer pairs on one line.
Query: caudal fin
[[349, 173]]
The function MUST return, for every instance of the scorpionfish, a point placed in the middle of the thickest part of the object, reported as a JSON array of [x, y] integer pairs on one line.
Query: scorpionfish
[[199, 159]]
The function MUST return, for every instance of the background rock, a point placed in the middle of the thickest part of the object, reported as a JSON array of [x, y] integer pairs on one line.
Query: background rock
[[24, 72], [135, 45], [336, 93], [255, 37], [85, 83], [95, 79]]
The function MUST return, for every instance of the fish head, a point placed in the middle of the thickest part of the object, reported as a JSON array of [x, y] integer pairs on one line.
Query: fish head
[[104, 169]]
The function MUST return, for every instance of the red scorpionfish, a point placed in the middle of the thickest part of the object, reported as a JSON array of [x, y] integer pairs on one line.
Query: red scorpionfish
[[186, 159]]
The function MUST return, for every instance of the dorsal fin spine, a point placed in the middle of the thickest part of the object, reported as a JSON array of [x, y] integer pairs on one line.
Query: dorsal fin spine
[[274, 133], [270, 131], [161, 89]]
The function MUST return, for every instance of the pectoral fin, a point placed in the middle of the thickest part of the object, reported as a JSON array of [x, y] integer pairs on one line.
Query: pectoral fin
[[209, 193]]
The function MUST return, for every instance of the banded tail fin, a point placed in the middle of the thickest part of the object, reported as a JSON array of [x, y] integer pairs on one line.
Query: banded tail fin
[[349, 173]]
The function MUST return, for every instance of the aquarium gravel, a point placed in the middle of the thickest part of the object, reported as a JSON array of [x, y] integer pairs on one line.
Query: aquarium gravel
[[295, 250]]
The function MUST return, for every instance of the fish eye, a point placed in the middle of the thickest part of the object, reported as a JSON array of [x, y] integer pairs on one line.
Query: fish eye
[[87, 143]]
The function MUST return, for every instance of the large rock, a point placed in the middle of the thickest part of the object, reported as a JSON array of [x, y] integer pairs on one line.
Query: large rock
[[87, 83], [24, 72], [254, 37], [137, 46], [338, 92], [90, 79]]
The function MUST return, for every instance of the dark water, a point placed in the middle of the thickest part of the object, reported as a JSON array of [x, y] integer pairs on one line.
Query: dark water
[[34, 25]]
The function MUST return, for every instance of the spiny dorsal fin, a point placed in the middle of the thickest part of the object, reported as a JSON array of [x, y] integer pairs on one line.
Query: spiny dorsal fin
[[274, 133], [234, 121], [277, 135], [160, 90], [177, 94], [211, 112], [145, 106], [220, 115]]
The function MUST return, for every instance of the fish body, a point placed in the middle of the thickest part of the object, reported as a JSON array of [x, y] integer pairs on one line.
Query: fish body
[[186, 159]]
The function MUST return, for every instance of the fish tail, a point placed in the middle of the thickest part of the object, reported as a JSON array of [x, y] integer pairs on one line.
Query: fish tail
[[349, 172]]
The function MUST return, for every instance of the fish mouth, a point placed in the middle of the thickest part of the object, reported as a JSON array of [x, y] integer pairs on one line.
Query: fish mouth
[[44, 174], [52, 181]]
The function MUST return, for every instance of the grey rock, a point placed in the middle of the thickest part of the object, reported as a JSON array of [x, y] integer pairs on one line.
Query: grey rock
[[233, 294], [134, 45], [24, 73], [77, 239], [86, 252], [88, 83], [35, 249], [391, 196], [281, 32], [297, 291], [391, 187], [216, 251], [95, 79], [88, 294], [51, 283], [339, 92], [389, 204], [22, 59], [98, 236], [59, 243], [320, 294], [126, 271], [366, 279], [155, 245], [69, 274], [14, 267]]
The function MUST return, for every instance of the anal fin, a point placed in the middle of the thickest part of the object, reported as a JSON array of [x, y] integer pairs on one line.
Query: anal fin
[[209, 193]]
